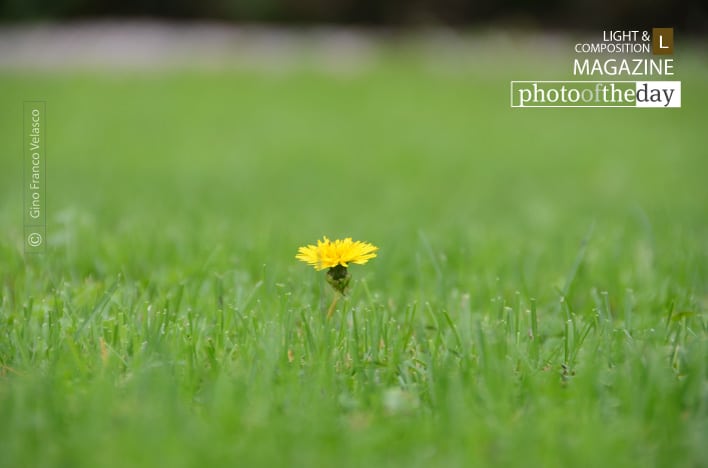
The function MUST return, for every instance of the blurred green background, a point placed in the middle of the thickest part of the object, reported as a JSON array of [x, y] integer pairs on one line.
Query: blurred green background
[[403, 145]]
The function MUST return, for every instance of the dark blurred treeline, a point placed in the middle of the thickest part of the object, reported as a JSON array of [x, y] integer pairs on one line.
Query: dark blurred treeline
[[569, 14]]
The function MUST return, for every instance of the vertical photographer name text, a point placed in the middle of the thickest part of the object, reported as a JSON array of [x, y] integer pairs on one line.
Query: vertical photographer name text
[[34, 183]]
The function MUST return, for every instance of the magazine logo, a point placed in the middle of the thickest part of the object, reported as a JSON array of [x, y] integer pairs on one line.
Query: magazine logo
[[630, 53], [662, 42]]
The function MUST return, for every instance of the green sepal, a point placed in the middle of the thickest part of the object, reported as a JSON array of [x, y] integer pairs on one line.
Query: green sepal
[[338, 277]]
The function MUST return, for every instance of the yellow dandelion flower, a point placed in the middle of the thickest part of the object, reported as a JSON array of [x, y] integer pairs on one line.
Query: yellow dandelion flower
[[337, 255], [329, 254]]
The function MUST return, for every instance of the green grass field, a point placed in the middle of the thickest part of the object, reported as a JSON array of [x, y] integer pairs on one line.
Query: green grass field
[[539, 298]]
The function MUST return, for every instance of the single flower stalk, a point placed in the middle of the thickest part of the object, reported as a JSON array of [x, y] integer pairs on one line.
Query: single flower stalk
[[335, 256]]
